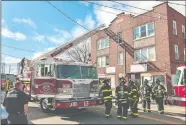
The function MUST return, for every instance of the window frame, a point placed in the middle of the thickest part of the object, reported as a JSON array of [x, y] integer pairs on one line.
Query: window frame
[[120, 60], [176, 54], [101, 43], [183, 32], [119, 37], [104, 61], [175, 32], [147, 55], [146, 30]]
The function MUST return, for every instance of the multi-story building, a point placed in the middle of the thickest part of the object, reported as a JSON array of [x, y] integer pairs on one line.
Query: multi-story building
[[154, 42]]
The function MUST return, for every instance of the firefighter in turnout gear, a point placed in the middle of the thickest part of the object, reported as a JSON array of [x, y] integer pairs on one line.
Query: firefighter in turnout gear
[[159, 93], [134, 99], [122, 99], [146, 92], [107, 97]]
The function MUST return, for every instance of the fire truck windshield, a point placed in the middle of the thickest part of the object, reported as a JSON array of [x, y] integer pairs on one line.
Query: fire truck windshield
[[76, 72], [89, 72], [180, 75]]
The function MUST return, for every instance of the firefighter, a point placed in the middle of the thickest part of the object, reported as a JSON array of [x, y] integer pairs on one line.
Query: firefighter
[[159, 94], [122, 99], [134, 99], [107, 97], [146, 92]]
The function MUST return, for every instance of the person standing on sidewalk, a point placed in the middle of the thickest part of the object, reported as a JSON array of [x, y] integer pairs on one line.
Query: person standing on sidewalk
[[134, 99], [122, 92], [107, 97], [146, 92], [159, 93], [16, 105]]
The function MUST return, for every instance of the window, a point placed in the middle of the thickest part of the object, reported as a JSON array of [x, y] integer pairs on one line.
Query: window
[[177, 77], [151, 54], [150, 29], [144, 31], [137, 55], [184, 54], [174, 28], [103, 61], [120, 58], [145, 54], [136, 33], [103, 43], [119, 34], [176, 51], [183, 32], [89, 72], [45, 70]]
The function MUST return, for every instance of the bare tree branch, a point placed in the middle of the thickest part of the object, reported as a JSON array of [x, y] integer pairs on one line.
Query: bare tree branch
[[79, 53]]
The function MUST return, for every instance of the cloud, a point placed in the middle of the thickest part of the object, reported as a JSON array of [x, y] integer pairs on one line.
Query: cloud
[[11, 60], [11, 64], [13, 35], [106, 18], [37, 54], [64, 36], [25, 21], [84, 3], [38, 37]]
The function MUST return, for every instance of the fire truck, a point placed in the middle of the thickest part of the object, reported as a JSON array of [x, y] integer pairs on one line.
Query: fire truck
[[57, 83], [179, 87]]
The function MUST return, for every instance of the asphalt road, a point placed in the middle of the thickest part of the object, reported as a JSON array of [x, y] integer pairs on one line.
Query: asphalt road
[[95, 115]]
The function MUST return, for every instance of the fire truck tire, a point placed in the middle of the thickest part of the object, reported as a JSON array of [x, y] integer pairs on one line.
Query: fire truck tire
[[43, 106]]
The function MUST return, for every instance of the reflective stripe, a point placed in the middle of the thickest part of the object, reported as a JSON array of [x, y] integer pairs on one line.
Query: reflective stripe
[[124, 117], [123, 92], [134, 96], [134, 90], [136, 114], [107, 114], [107, 91], [122, 99], [130, 93], [107, 97], [119, 116]]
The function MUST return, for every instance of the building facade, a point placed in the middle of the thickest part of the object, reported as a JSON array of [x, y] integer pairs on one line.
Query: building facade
[[147, 46]]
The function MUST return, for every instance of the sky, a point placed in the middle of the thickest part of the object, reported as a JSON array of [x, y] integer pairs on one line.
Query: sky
[[38, 27]]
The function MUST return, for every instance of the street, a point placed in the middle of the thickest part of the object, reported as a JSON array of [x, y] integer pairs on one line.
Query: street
[[95, 115]]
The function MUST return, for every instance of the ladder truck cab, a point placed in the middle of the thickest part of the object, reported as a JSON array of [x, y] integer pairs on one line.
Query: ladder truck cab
[[179, 86], [57, 83], [64, 85]]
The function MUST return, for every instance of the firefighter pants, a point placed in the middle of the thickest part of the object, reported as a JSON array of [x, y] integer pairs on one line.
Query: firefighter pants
[[160, 104], [146, 103], [108, 107], [17, 119], [134, 107], [122, 110]]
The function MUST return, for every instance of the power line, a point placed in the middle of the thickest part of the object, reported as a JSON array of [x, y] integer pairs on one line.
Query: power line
[[66, 15], [18, 48], [135, 7], [12, 56], [121, 9], [172, 2]]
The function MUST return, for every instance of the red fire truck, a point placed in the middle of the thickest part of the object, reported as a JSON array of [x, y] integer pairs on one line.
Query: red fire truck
[[179, 86], [62, 84]]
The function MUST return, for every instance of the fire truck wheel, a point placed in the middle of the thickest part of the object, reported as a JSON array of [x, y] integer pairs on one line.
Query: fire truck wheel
[[44, 106]]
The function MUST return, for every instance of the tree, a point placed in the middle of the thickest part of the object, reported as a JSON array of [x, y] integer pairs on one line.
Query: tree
[[80, 53]]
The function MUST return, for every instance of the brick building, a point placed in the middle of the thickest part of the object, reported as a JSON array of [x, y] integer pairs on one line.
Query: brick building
[[154, 42]]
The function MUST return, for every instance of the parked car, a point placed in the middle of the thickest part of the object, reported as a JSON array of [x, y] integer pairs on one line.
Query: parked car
[[4, 115]]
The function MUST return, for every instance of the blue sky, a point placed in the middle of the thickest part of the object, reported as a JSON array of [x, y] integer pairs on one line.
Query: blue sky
[[37, 26]]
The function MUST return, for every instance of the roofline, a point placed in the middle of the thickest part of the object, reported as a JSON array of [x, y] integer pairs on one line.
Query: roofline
[[160, 4], [177, 11]]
